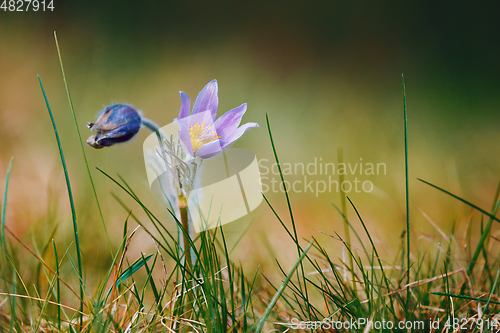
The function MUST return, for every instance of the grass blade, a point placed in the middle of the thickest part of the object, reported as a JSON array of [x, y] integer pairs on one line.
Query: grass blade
[[464, 297], [4, 204], [408, 264], [484, 236], [71, 201], [58, 288], [343, 205], [295, 238], [2, 235], [130, 271], [266, 314], [463, 200], [81, 145]]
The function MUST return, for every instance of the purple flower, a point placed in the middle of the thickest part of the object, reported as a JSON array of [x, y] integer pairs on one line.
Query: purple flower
[[117, 123], [202, 135]]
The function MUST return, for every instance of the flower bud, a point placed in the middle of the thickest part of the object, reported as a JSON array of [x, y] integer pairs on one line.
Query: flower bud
[[117, 123]]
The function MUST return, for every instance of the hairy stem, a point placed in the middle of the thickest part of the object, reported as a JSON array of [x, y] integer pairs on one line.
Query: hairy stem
[[183, 208], [152, 126]]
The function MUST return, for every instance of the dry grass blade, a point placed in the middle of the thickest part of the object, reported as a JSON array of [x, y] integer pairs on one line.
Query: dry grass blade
[[441, 232], [42, 300], [417, 283], [360, 249], [42, 262]]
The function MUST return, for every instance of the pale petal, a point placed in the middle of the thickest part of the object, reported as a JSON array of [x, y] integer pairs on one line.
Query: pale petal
[[185, 105], [204, 117], [184, 134], [210, 149], [237, 134], [207, 99], [229, 121]]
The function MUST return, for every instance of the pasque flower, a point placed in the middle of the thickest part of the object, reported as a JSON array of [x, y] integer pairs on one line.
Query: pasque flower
[[202, 135], [116, 123], [178, 160]]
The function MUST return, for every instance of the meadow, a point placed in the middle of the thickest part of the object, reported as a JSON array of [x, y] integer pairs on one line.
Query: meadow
[[86, 246]]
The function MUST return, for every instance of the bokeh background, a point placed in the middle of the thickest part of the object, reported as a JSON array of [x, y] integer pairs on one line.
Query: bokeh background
[[327, 73]]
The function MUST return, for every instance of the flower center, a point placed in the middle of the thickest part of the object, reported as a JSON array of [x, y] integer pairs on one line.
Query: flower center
[[201, 134]]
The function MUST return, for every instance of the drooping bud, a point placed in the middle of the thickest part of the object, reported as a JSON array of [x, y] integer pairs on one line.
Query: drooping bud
[[117, 123]]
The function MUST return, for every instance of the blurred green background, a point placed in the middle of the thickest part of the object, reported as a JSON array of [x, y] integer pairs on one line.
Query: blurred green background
[[328, 74]]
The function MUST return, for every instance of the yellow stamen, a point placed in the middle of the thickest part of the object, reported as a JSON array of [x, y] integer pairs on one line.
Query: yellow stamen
[[201, 134]]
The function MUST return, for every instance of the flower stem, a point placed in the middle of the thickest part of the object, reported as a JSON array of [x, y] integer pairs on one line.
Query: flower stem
[[183, 208], [155, 128], [152, 126]]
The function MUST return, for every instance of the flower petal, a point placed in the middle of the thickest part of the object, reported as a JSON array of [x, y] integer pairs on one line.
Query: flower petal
[[186, 123], [184, 134], [207, 99], [185, 105], [229, 121], [235, 135], [200, 117], [210, 149]]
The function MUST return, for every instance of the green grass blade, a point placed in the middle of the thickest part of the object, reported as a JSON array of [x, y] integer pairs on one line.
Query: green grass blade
[[130, 271], [81, 145], [386, 280], [463, 200], [71, 201], [230, 272], [492, 290], [343, 204], [2, 235], [241, 236], [484, 236], [243, 299], [408, 263], [151, 281], [295, 238], [463, 297], [13, 300], [266, 314], [4, 205], [100, 300], [58, 288], [39, 318], [352, 228]]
